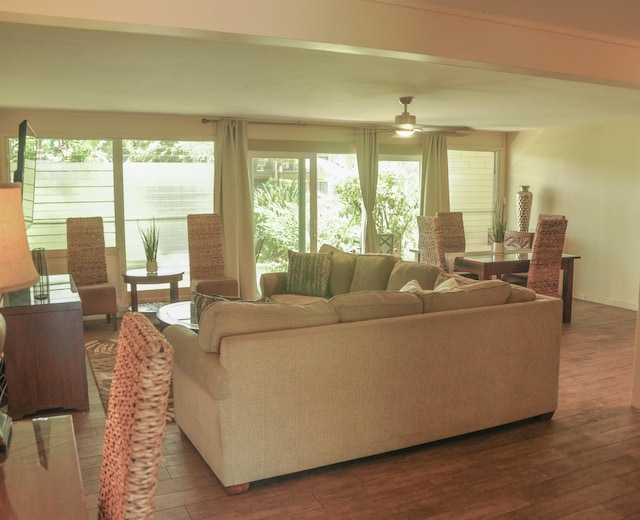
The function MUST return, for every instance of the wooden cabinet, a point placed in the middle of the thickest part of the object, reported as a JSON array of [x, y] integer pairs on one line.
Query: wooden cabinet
[[44, 350]]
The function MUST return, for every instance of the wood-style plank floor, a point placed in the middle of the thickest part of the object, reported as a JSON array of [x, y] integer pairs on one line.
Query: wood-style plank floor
[[583, 464]]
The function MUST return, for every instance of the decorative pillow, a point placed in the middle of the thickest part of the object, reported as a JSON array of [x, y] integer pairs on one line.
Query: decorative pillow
[[342, 267], [308, 273], [445, 286], [411, 286], [403, 272], [372, 272], [202, 301], [521, 294]]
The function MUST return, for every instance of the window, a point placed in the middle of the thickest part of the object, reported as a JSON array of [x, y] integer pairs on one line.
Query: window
[[165, 181], [472, 189], [74, 178]]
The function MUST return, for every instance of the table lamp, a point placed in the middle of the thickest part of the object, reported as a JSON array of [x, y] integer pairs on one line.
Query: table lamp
[[16, 269]]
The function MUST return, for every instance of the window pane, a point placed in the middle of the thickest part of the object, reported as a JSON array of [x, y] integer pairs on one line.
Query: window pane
[[74, 178], [472, 176], [165, 181]]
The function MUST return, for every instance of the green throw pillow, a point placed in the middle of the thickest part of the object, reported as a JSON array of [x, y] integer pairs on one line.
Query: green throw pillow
[[309, 273], [202, 301]]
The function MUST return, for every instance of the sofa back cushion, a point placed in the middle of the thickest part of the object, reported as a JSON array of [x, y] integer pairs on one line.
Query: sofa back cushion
[[308, 273], [521, 294], [342, 267], [372, 305], [222, 319], [478, 294], [372, 272], [403, 272]]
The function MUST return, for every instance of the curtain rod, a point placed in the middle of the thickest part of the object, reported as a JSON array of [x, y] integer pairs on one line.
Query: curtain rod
[[206, 120]]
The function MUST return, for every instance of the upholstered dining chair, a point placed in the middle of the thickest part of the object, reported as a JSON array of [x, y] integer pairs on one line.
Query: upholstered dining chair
[[136, 421], [452, 231], [206, 256], [87, 264], [430, 241], [546, 258]]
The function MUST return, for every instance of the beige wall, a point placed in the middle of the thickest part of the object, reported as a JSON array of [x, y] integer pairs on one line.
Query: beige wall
[[591, 175]]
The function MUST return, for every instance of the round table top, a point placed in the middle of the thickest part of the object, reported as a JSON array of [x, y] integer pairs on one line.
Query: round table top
[[179, 313], [162, 275]]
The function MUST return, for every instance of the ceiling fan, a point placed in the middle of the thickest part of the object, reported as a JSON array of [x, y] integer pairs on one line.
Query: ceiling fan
[[405, 123]]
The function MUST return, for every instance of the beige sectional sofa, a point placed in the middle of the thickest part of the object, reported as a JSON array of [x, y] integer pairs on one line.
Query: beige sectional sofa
[[267, 389]]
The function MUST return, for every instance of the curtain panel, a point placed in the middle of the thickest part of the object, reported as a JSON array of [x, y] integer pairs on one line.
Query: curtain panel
[[434, 175], [232, 201], [367, 155]]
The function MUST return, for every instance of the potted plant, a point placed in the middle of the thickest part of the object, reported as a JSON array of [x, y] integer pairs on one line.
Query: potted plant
[[499, 225], [150, 237]]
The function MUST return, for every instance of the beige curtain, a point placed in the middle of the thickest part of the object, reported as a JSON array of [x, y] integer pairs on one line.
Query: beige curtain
[[232, 200], [434, 175], [367, 154]]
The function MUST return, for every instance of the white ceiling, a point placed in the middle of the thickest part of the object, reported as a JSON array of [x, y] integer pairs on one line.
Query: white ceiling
[[46, 67]]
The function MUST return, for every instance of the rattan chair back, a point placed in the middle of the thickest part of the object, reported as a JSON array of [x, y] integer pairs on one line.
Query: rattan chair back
[[430, 241], [452, 231], [86, 257], [206, 246], [136, 421], [546, 258]]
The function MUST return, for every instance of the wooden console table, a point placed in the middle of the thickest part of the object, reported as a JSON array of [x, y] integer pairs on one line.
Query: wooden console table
[[41, 478], [44, 350]]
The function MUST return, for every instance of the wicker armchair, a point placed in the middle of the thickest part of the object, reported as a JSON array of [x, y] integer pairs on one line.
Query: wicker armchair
[[430, 241], [87, 264], [206, 256], [546, 259], [452, 231], [135, 421]]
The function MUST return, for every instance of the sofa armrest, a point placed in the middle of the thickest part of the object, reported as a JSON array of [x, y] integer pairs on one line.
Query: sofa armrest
[[273, 283]]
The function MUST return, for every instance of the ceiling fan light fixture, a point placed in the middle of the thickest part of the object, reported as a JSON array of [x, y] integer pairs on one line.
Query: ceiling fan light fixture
[[405, 132]]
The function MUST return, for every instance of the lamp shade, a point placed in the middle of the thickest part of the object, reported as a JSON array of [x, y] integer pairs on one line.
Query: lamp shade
[[16, 266]]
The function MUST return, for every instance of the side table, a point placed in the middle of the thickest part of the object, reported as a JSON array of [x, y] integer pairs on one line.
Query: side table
[[180, 313], [141, 276]]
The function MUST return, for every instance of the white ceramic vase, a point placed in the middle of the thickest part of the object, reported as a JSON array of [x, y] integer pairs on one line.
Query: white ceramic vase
[[523, 207]]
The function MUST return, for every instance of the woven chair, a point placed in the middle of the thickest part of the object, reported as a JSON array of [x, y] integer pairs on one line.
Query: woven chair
[[87, 264], [546, 258], [135, 421], [452, 231], [206, 256], [430, 241]]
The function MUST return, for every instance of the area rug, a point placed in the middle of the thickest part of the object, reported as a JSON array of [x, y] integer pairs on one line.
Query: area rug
[[102, 357]]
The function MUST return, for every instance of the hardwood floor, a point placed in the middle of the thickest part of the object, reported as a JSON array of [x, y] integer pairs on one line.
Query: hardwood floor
[[583, 464]]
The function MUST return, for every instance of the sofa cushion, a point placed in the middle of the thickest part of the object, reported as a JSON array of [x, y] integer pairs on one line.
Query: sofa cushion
[[371, 305], [372, 272], [308, 273], [478, 294], [224, 319], [403, 272], [342, 267], [521, 294]]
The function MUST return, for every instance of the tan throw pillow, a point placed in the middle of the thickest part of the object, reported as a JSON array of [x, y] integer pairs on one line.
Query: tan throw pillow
[[478, 294], [372, 272], [372, 305], [403, 272], [342, 267], [520, 294], [308, 273], [412, 287], [232, 318]]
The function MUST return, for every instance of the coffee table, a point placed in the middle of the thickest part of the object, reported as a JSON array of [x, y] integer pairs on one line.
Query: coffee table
[[179, 313]]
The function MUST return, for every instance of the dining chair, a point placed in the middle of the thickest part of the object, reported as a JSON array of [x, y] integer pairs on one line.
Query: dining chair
[[206, 256], [136, 421], [546, 257], [87, 264], [386, 243], [452, 231], [430, 241]]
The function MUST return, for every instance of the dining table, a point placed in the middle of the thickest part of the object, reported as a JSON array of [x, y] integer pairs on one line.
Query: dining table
[[487, 264]]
